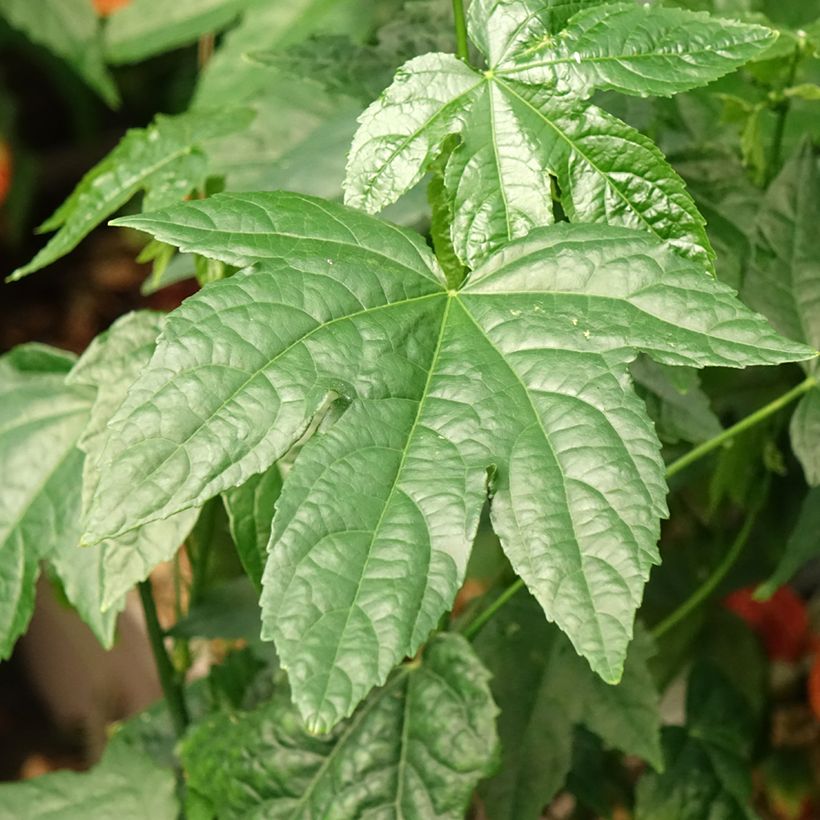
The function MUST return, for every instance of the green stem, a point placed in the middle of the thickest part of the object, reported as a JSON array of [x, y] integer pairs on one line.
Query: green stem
[[783, 109], [474, 627], [711, 583], [462, 49], [171, 688], [750, 421]]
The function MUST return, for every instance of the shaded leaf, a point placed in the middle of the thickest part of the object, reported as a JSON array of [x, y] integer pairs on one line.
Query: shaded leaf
[[802, 546], [125, 784], [69, 29], [143, 28], [250, 512], [544, 690], [40, 422], [415, 748]]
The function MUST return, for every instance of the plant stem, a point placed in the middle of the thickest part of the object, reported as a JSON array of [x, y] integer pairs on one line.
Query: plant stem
[[171, 688], [782, 114], [474, 627], [462, 49], [712, 582], [745, 424]]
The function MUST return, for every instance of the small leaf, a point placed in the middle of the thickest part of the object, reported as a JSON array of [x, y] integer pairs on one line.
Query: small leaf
[[636, 49], [126, 784], [805, 436], [144, 28], [40, 422], [802, 546], [250, 513], [69, 29], [415, 748], [157, 158], [400, 132]]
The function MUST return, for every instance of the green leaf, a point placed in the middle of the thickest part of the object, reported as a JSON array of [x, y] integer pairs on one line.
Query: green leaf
[[708, 767], [144, 28], [500, 27], [101, 575], [675, 401], [784, 280], [400, 133], [69, 29], [415, 748], [544, 690], [160, 159], [250, 513], [802, 546], [521, 374], [517, 136], [635, 49], [40, 422], [125, 784]]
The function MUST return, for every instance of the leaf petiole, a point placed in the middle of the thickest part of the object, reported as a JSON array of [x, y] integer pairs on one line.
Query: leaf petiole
[[462, 48]]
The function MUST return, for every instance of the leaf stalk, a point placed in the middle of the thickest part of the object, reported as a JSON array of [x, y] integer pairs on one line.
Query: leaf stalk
[[171, 687], [462, 48]]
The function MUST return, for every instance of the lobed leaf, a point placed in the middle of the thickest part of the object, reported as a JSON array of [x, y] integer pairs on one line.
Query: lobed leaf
[[415, 748], [521, 374], [544, 691]]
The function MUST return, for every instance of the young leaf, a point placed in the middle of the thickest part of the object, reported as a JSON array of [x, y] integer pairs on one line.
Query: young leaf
[[160, 158], [400, 133], [544, 690], [101, 575], [803, 545], [784, 280], [415, 748], [708, 770], [40, 422], [144, 28], [522, 373], [68, 28], [250, 512], [635, 49], [126, 784]]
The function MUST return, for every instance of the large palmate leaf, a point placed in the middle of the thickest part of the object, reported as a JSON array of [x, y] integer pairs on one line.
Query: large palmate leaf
[[784, 281], [519, 379], [40, 422], [524, 122], [143, 28], [126, 784], [544, 690], [69, 29], [101, 575], [162, 160], [415, 748], [707, 763]]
